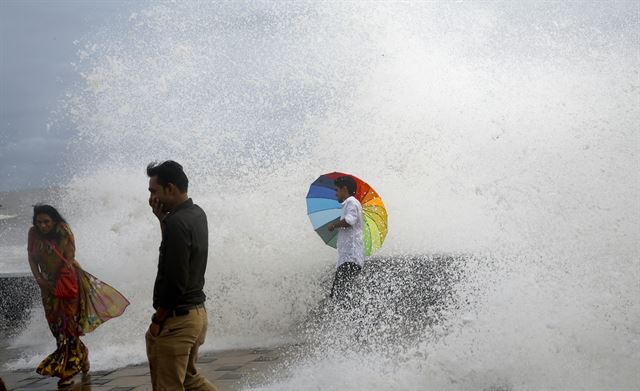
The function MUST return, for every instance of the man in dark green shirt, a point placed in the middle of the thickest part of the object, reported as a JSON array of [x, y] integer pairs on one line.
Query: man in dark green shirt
[[183, 257], [179, 325]]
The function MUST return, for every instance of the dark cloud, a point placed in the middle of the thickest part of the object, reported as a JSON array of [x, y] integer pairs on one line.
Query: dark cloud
[[32, 162], [38, 43]]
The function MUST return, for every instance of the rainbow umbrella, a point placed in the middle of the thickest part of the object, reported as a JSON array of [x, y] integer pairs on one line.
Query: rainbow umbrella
[[323, 208]]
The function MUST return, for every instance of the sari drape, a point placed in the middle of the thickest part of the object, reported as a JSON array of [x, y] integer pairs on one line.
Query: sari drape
[[70, 319]]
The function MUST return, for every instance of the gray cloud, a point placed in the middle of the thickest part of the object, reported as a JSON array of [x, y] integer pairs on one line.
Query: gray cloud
[[37, 46], [32, 162]]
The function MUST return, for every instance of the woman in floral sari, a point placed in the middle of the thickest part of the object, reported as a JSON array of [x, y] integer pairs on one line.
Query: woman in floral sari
[[51, 247]]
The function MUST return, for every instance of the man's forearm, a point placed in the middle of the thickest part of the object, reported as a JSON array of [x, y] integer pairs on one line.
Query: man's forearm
[[341, 224], [161, 314]]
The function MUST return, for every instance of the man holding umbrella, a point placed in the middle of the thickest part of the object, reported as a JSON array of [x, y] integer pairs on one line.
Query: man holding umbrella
[[350, 243]]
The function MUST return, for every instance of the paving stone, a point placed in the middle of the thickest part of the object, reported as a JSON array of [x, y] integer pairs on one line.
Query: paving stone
[[232, 353], [235, 360], [208, 372], [28, 371], [31, 380], [266, 358], [261, 351], [230, 376], [130, 371], [140, 364], [41, 383], [102, 373], [16, 379], [129, 381], [206, 360], [228, 385], [238, 352], [229, 368], [35, 378], [259, 366], [99, 381], [39, 387]]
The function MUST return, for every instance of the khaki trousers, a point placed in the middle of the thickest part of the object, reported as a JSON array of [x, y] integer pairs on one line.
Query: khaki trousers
[[173, 353]]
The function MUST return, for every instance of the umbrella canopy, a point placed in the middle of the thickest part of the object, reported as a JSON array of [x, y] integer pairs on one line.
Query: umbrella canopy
[[323, 209]]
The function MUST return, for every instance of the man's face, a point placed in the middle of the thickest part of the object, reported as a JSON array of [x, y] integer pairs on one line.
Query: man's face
[[158, 193], [342, 193], [44, 223]]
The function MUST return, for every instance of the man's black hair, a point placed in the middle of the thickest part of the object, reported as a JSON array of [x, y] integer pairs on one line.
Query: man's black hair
[[43, 209], [347, 181], [169, 172]]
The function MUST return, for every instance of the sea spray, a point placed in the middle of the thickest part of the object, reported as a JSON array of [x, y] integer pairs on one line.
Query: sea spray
[[505, 131]]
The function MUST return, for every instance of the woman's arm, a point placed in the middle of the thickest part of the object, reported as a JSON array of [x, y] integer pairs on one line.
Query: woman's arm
[[33, 262], [42, 282], [68, 245], [35, 270]]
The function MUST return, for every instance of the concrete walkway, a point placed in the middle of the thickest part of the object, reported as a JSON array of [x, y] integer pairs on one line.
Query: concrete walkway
[[229, 370]]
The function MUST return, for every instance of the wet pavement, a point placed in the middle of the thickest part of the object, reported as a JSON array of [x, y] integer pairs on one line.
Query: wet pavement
[[229, 370]]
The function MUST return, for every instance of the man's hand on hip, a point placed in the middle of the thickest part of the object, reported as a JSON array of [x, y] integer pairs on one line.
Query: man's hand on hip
[[154, 329]]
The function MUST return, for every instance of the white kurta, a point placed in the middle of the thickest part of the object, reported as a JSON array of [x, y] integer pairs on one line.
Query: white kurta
[[351, 240]]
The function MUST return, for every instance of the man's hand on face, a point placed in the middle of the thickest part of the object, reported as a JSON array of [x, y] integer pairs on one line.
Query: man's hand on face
[[157, 208]]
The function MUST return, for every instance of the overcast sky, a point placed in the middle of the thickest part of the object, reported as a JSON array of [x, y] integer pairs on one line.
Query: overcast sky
[[36, 51]]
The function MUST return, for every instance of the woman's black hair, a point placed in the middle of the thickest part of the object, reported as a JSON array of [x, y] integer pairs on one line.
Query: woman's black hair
[[348, 182], [49, 210]]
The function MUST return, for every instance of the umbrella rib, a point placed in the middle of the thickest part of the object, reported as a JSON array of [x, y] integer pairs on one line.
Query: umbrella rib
[[321, 210]]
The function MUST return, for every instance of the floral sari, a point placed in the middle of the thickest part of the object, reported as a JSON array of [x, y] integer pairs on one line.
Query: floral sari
[[69, 319]]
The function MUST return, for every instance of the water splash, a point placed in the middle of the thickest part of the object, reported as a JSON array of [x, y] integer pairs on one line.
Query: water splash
[[502, 130]]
